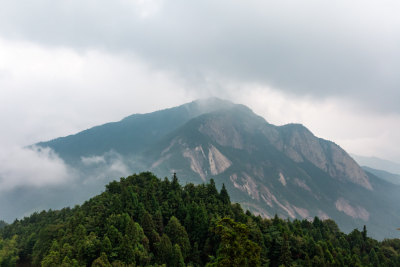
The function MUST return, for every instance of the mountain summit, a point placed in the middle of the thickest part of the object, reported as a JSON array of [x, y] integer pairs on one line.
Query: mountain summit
[[269, 169]]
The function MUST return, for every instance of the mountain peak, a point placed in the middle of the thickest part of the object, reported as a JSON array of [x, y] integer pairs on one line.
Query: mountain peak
[[215, 101], [211, 104]]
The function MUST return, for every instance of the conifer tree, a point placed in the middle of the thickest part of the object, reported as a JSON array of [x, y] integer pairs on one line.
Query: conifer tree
[[164, 250], [177, 259], [224, 196], [285, 255], [235, 249], [101, 261], [178, 235]]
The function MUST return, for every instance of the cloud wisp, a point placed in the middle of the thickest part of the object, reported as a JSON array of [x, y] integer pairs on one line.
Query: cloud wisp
[[32, 167]]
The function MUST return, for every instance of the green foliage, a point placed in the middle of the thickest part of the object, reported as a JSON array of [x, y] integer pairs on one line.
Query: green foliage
[[177, 258], [8, 251], [178, 235], [143, 221], [235, 248]]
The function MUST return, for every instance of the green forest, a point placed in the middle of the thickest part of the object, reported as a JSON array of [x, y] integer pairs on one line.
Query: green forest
[[145, 221]]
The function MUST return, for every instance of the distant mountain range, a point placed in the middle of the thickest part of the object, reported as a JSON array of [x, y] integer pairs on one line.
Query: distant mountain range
[[387, 176], [270, 170], [378, 164]]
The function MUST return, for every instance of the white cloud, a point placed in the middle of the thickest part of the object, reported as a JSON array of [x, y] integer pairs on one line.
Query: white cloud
[[51, 92], [103, 168], [145, 8], [35, 167], [94, 160], [339, 48]]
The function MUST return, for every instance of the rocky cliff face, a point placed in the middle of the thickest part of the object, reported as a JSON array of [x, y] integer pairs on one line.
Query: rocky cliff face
[[300, 144], [239, 128]]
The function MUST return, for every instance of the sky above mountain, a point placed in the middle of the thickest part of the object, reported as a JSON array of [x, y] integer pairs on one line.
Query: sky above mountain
[[68, 65]]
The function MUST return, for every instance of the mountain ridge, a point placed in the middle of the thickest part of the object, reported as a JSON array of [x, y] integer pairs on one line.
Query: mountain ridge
[[284, 170]]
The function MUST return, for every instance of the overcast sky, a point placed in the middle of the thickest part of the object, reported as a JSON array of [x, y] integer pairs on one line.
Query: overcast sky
[[331, 65]]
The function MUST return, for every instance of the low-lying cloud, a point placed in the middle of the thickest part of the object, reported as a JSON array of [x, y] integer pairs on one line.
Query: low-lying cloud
[[36, 178], [32, 167], [103, 168]]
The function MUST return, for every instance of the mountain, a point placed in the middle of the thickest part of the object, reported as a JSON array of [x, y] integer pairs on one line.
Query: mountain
[[133, 134], [378, 163], [269, 169], [98, 155], [387, 176], [144, 221]]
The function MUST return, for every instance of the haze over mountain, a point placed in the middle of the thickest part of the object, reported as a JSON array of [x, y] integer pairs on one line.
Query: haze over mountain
[[268, 169], [387, 176], [378, 163]]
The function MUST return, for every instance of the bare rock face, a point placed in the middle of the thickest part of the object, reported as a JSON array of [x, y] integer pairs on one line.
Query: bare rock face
[[245, 183], [227, 135], [344, 166], [301, 145], [218, 162], [196, 157], [352, 211], [203, 163], [294, 140]]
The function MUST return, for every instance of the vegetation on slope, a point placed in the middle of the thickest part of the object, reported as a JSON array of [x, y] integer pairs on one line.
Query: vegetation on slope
[[143, 221]]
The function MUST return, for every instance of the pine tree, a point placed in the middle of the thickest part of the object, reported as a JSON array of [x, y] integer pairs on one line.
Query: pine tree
[[164, 250], [158, 221], [235, 249], [101, 261], [224, 196], [364, 233], [211, 189], [285, 255], [177, 259], [373, 258], [147, 223], [178, 235]]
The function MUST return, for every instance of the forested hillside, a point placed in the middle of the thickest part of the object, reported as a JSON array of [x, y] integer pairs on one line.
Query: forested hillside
[[144, 221]]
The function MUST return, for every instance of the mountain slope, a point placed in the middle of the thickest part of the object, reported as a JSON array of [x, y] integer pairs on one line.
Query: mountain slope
[[269, 169], [131, 135]]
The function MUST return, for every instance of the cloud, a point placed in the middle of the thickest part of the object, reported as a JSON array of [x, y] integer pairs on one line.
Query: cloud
[[69, 65], [34, 167], [338, 49], [94, 160], [58, 91], [106, 167]]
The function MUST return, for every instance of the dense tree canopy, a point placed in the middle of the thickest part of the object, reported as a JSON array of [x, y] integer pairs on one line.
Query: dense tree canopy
[[144, 221]]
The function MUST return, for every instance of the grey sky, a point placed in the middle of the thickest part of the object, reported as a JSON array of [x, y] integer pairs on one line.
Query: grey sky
[[309, 47], [331, 65]]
